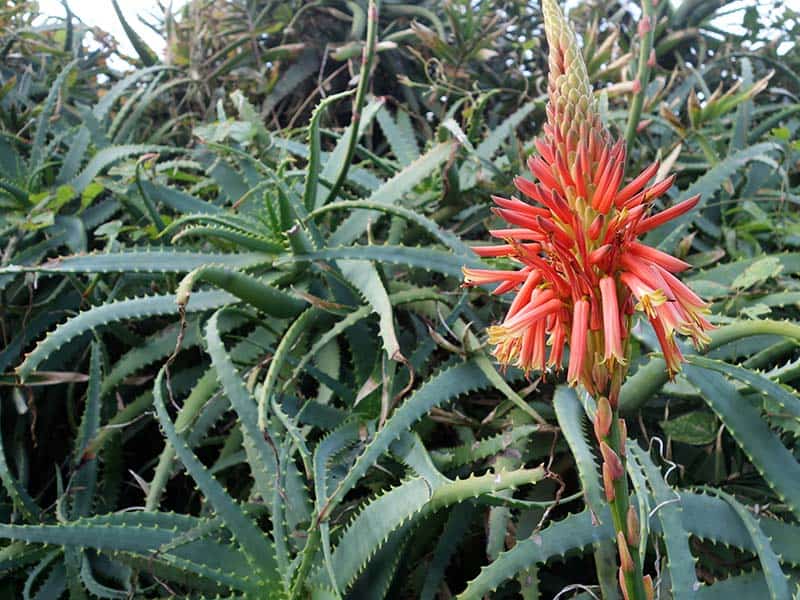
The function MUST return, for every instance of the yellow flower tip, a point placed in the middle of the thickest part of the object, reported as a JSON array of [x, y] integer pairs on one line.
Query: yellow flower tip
[[650, 301], [469, 278], [503, 353], [481, 276], [498, 334], [613, 359], [465, 273], [672, 370], [700, 338]]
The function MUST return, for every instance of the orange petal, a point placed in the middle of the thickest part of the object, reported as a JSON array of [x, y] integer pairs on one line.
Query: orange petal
[[636, 185], [611, 320], [577, 340], [667, 215], [662, 259]]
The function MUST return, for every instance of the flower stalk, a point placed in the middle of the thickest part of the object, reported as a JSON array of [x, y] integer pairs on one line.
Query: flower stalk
[[611, 436], [647, 60], [367, 59]]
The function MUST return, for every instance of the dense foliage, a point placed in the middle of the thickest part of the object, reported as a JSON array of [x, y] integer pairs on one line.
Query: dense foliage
[[236, 358]]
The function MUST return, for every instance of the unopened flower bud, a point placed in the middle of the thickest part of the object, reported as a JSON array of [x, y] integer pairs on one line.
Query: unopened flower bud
[[632, 523], [595, 256], [637, 86], [602, 419], [611, 459], [625, 560], [651, 61], [596, 227], [623, 435], [622, 585], [649, 592], [608, 483], [644, 26]]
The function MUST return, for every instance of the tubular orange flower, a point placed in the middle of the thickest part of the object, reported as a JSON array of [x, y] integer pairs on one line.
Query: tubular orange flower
[[583, 272]]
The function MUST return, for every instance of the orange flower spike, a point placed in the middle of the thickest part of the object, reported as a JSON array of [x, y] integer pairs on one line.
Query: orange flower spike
[[582, 272]]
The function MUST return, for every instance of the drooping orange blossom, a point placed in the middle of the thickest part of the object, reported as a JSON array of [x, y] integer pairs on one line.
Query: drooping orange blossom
[[575, 235]]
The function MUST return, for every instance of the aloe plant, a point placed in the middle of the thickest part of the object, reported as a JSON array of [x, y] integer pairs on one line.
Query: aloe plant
[[236, 358]]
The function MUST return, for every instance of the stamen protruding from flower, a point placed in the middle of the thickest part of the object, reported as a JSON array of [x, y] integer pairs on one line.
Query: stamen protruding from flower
[[672, 353], [648, 299]]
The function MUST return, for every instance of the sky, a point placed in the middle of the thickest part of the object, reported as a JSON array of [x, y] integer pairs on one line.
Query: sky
[[101, 13]]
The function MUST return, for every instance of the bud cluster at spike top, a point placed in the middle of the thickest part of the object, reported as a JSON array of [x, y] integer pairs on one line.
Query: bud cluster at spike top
[[582, 273]]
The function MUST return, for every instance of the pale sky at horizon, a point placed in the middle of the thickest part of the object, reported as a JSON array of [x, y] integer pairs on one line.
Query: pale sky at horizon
[[101, 13]]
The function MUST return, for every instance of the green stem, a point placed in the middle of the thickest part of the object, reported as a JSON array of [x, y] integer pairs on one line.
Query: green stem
[[309, 553], [642, 73], [634, 583], [367, 59]]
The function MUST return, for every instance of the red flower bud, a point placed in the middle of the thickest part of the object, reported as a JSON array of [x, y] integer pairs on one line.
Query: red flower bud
[[611, 459], [649, 592], [608, 483], [624, 589], [602, 419], [595, 227], [645, 26], [632, 524], [625, 559]]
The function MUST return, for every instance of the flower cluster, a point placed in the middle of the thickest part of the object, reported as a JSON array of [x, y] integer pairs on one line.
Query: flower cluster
[[574, 235]]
